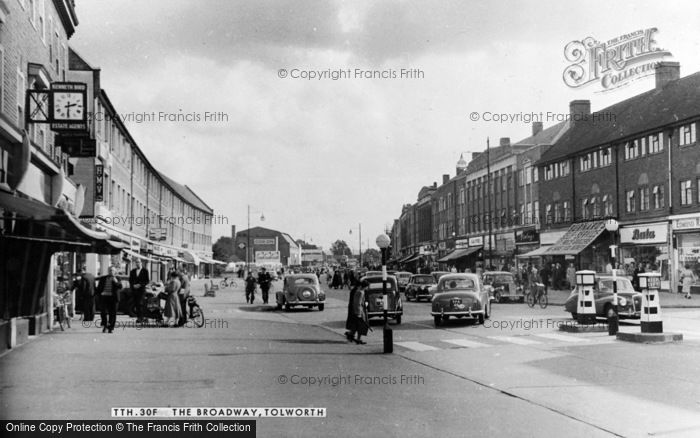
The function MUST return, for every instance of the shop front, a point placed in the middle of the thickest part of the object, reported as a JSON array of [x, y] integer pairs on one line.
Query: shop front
[[648, 245], [586, 244], [526, 241], [686, 244]]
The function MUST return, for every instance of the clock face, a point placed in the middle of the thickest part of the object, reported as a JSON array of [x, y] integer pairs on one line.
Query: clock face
[[68, 106]]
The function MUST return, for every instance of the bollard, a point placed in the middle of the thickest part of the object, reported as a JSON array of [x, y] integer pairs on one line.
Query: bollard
[[585, 308], [651, 308]]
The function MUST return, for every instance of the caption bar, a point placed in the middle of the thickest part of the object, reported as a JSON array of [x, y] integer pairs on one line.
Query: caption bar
[[134, 428], [190, 412]]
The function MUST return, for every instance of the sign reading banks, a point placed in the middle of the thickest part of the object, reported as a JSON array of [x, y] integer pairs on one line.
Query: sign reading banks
[[613, 63]]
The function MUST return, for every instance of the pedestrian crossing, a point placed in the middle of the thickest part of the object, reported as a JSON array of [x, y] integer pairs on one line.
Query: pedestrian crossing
[[530, 340]]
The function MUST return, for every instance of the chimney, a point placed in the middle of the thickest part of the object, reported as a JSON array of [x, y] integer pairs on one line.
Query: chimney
[[579, 110], [505, 141], [536, 128], [434, 184], [445, 178], [233, 231], [666, 72]]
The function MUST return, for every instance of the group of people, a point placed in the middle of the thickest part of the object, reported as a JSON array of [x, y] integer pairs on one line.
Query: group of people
[[552, 274], [339, 279], [177, 290], [264, 280]]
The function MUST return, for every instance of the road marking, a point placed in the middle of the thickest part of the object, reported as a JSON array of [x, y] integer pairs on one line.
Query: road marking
[[558, 337], [416, 346], [466, 343], [520, 340]]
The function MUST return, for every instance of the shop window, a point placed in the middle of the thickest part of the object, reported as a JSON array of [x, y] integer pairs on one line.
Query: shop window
[[686, 192]]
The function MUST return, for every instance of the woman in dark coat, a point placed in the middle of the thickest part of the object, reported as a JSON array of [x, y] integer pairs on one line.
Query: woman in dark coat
[[357, 321]]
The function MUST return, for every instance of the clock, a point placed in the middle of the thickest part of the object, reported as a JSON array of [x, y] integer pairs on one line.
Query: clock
[[68, 106]]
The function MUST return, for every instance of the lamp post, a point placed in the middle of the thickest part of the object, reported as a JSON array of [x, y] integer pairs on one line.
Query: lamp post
[[247, 248], [359, 240], [383, 243], [613, 321]]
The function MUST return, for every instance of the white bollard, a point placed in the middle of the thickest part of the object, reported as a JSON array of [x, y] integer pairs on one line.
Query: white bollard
[[651, 308], [585, 308]]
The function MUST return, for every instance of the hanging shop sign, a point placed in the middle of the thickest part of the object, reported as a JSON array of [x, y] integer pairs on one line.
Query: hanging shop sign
[[99, 183]]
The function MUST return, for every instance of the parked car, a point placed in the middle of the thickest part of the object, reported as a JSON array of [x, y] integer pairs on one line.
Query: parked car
[[419, 287], [629, 302], [461, 296], [374, 297], [301, 290], [438, 274], [501, 286], [403, 278]]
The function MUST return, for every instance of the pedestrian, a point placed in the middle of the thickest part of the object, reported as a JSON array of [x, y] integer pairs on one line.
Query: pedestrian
[[173, 311], [571, 276], [357, 322], [638, 269], [182, 295], [85, 287], [250, 288], [265, 280], [687, 279], [545, 273], [108, 290], [138, 280]]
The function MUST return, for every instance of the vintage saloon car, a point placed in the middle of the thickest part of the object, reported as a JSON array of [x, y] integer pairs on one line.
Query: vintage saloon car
[[461, 296], [374, 297], [403, 278], [629, 301], [501, 286], [301, 290], [419, 287]]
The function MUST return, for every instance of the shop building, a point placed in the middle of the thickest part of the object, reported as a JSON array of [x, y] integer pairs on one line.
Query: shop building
[[260, 246]]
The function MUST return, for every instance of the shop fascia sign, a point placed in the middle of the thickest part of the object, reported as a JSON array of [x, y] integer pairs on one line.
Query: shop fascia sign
[[461, 243], [684, 224], [650, 233]]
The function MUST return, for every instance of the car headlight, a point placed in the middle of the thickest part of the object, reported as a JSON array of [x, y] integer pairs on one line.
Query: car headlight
[[306, 294], [622, 301]]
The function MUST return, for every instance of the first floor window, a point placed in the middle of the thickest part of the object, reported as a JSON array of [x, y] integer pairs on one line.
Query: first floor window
[[658, 196], [630, 205], [644, 198], [686, 192]]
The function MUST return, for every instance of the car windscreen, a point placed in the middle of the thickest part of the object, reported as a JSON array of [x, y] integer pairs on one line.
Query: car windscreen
[[623, 285], [376, 286], [458, 283], [498, 279], [424, 280]]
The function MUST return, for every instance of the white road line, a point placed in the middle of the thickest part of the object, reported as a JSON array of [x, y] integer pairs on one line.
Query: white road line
[[558, 337], [416, 346], [520, 340], [466, 343]]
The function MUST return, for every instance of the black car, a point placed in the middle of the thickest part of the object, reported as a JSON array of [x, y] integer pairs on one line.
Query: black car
[[419, 287]]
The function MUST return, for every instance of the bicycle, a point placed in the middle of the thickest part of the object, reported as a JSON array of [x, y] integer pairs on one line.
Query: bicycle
[[539, 296], [226, 283], [60, 311], [196, 312]]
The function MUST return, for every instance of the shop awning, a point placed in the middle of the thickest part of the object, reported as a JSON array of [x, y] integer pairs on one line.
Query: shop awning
[[404, 259], [190, 257], [212, 261], [413, 258], [459, 253], [137, 255], [577, 238], [539, 252]]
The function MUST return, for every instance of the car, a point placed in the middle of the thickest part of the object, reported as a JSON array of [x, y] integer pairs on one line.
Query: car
[[438, 274], [419, 287], [403, 277], [460, 296], [301, 290], [629, 300], [374, 298], [501, 286]]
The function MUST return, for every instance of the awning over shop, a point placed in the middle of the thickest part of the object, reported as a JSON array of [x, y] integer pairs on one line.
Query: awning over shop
[[413, 258], [459, 253], [577, 238], [137, 255], [190, 257], [404, 259], [212, 261], [539, 252]]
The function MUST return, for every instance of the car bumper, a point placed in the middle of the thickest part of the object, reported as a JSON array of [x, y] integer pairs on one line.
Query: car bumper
[[305, 303], [467, 313], [390, 313]]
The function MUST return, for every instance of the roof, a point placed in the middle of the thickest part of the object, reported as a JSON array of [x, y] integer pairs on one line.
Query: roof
[[187, 194], [546, 136], [644, 113]]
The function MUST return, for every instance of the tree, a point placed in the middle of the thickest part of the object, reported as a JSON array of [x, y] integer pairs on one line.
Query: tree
[[340, 248], [223, 249]]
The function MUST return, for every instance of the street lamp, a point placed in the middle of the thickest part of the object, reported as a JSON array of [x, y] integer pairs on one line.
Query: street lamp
[[247, 248], [359, 240], [383, 243], [613, 321]]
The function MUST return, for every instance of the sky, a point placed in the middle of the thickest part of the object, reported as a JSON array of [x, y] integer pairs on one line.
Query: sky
[[259, 120]]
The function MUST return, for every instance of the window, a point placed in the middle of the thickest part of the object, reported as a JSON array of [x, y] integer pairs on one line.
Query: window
[[595, 207], [521, 179], [585, 163], [536, 211], [686, 192], [631, 150], [567, 211], [2, 81], [658, 196], [656, 143], [4, 156], [564, 168], [698, 185], [605, 157], [548, 213], [557, 213], [644, 198], [687, 134], [630, 204], [21, 90], [535, 175], [607, 205], [528, 175], [549, 172], [584, 209]]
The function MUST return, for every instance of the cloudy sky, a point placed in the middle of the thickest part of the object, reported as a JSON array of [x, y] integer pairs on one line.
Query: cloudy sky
[[317, 157]]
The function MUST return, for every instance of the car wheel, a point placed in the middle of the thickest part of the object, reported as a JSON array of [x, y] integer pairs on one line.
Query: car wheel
[[609, 311], [438, 321], [398, 319], [320, 307]]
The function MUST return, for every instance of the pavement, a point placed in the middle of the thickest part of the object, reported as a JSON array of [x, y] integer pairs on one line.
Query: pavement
[[667, 299]]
